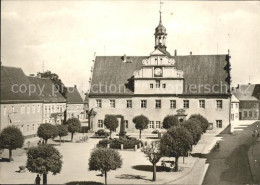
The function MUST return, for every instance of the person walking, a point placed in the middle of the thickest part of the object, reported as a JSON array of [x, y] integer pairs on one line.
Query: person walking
[[38, 180]]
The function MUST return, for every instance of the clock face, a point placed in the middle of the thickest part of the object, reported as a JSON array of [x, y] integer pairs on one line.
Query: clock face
[[157, 71]]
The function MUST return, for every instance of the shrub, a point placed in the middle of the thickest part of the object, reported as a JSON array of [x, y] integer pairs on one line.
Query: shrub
[[84, 129], [129, 143]]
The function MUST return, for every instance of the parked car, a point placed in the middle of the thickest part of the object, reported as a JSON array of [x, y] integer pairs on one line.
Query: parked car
[[102, 132]]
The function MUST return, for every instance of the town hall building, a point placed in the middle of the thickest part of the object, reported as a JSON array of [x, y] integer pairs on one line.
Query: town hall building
[[160, 84]]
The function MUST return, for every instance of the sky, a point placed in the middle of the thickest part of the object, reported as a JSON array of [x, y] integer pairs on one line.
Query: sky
[[66, 35]]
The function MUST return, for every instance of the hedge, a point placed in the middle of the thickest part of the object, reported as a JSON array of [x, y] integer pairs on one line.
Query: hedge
[[129, 143]]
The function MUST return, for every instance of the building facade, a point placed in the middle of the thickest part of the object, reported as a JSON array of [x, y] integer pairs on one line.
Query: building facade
[[249, 101], [54, 104], [75, 104], [20, 107], [159, 85], [234, 112]]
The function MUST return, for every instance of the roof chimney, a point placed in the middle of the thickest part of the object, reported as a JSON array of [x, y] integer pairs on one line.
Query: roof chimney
[[190, 52], [75, 86], [175, 52], [124, 57]]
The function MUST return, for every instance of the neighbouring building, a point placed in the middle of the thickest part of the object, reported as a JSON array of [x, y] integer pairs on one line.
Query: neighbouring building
[[54, 104], [249, 101], [159, 85], [234, 112], [20, 106], [75, 104]]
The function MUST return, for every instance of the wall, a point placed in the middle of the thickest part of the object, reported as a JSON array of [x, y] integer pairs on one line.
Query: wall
[[210, 111], [49, 108], [245, 107], [27, 122], [75, 110]]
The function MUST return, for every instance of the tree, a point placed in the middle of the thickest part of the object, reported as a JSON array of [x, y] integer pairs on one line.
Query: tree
[[194, 129], [11, 138], [111, 122], [104, 160], [73, 126], [170, 120], [203, 121], [43, 159], [141, 122], [175, 142], [56, 81], [62, 131], [47, 131], [153, 153]]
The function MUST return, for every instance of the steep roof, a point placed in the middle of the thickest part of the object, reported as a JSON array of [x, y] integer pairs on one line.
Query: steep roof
[[245, 92], [73, 95], [46, 90], [234, 99], [11, 79], [113, 76]]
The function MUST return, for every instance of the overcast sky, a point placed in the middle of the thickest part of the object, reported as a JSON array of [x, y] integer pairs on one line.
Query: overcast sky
[[66, 34]]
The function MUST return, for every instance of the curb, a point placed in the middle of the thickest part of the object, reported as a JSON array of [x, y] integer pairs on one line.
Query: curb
[[204, 173], [188, 172]]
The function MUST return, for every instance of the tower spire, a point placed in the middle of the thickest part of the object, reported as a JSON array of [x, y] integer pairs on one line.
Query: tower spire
[[160, 11]]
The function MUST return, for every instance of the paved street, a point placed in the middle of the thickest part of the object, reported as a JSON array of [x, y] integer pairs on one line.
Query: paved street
[[229, 164]]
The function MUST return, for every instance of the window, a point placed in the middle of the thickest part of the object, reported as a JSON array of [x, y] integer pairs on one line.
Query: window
[[245, 113], [157, 104], [158, 124], [126, 123], [33, 127], [100, 123], [172, 104], [164, 86], [232, 105], [219, 123], [99, 103], [28, 128], [53, 108], [39, 108], [157, 84], [151, 124], [28, 109], [113, 103], [22, 109], [143, 103], [33, 109], [255, 114], [151, 86], [202, 103], [236, 115], [186, 104], [4, 110], [12, 109], [232, 117], [219, 104], [250, 114], [128, 103], [236, 105]]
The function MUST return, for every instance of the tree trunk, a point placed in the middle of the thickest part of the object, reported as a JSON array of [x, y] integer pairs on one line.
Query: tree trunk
[[106, 177], [110, 133], [44, 181], [60, 140], [140, 134], [154, 172], [10, 155], [176, 163], [72, 136]]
